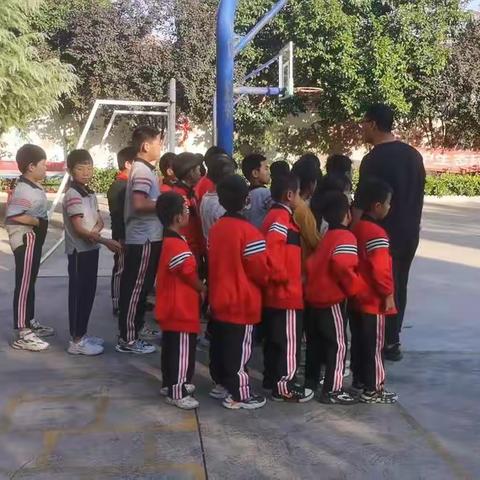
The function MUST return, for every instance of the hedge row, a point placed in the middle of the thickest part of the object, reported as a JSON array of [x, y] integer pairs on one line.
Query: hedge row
[[437, 185]]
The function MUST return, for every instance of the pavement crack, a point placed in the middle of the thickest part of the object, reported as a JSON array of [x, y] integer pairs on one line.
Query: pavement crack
[[200, 437]]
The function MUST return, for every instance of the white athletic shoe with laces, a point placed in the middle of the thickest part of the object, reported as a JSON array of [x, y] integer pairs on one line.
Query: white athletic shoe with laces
[[190, 388], [83, 347], [94, 340], [41, 330], [185, 403], [28, 340], [148, 333]]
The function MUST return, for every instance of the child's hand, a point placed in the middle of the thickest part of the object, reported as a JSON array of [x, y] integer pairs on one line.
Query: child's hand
[[389, 303], [113, 246], [93, 237]]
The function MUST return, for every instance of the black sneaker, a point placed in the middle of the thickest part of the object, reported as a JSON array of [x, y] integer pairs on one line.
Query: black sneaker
[[337, 398], [137, 346], [393, 353], [381, 397], [296, 395]]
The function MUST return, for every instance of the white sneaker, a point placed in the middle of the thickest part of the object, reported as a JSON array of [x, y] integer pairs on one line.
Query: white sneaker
[[83, 347], [27, 340], [148, 333], [41, 330], [185, 403], [219, 392], [252, 403], [94, 340], [190, 388]]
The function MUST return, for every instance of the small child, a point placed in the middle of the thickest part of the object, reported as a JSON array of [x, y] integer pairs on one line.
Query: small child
[[279, 168], [116, 205], [186, 168], [255, 170], [206, 184], [26, 224], [177, 306], [376, 298], [210, 209], [166, 169], [238, 270], [331, 279], [283, 298], [83, 225], [341, 165]]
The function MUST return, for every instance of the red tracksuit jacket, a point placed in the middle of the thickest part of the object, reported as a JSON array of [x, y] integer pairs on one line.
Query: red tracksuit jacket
[[193, 231], [375, 267], [237, 270], [332, 269], [177, 305], [284, 290]]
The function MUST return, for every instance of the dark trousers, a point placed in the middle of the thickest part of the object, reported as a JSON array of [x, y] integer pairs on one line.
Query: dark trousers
[[325, 330], [230, 351], [368, 338], [402, 258], [137, 280], [82, 286], [283, 336], [178, 362], [118, 265], [27, 264]]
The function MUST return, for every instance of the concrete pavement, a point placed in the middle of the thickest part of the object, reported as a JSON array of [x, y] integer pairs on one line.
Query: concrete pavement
[[64, 417]]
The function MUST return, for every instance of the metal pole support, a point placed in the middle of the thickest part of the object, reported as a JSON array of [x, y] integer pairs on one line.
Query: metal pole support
[[172, 116]]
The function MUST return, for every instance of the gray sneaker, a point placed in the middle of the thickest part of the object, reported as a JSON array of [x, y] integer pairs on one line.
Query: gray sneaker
[[136, 346], [41, 330]]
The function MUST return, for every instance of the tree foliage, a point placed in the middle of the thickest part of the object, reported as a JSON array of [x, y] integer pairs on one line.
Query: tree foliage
[[31, 84]]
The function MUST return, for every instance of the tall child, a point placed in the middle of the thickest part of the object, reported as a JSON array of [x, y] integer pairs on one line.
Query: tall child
[[26, 224], [255, 169], [283, 298], [143, 240], [83, 225], [238, 270], [116, 205], [177, 303], [375, 301], [331, 279]]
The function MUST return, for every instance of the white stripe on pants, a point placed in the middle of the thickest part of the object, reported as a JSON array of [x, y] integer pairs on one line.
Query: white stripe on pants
[[291, 339], [26, 278]]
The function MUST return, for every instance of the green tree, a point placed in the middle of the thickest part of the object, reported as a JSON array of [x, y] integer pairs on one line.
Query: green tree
[[31, 84]]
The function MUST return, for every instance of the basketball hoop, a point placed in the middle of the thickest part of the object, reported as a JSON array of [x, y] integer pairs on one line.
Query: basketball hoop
[[309, 95]]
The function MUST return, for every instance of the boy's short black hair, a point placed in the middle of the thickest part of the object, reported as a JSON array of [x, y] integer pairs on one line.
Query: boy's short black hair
[[125, 155], [169, 205], [338, 163], [382, 115], [232, 193], [310, 157], [335, 182], [282, 184], [221, 167], [211, 153], [29, 154], [250, 163], [334, 206], [143, 134], [78, 157], [307, 172], [166, 162], [278, 168], [371, 191]]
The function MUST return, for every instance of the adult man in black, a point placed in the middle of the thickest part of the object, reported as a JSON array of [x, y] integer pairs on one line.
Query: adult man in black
[[401, 166]]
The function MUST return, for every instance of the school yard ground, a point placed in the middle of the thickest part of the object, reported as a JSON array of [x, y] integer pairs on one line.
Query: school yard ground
[[69, 418]]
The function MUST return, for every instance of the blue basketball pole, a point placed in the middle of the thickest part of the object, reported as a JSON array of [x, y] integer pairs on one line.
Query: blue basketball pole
[[227, 49]]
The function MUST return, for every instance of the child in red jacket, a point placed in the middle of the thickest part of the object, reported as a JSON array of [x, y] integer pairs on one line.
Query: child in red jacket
[[237, 271], [331, 279], [177, 306], [283, 298], [375, 300]]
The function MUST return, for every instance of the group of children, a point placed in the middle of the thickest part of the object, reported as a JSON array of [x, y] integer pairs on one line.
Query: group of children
[[270, 265]]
